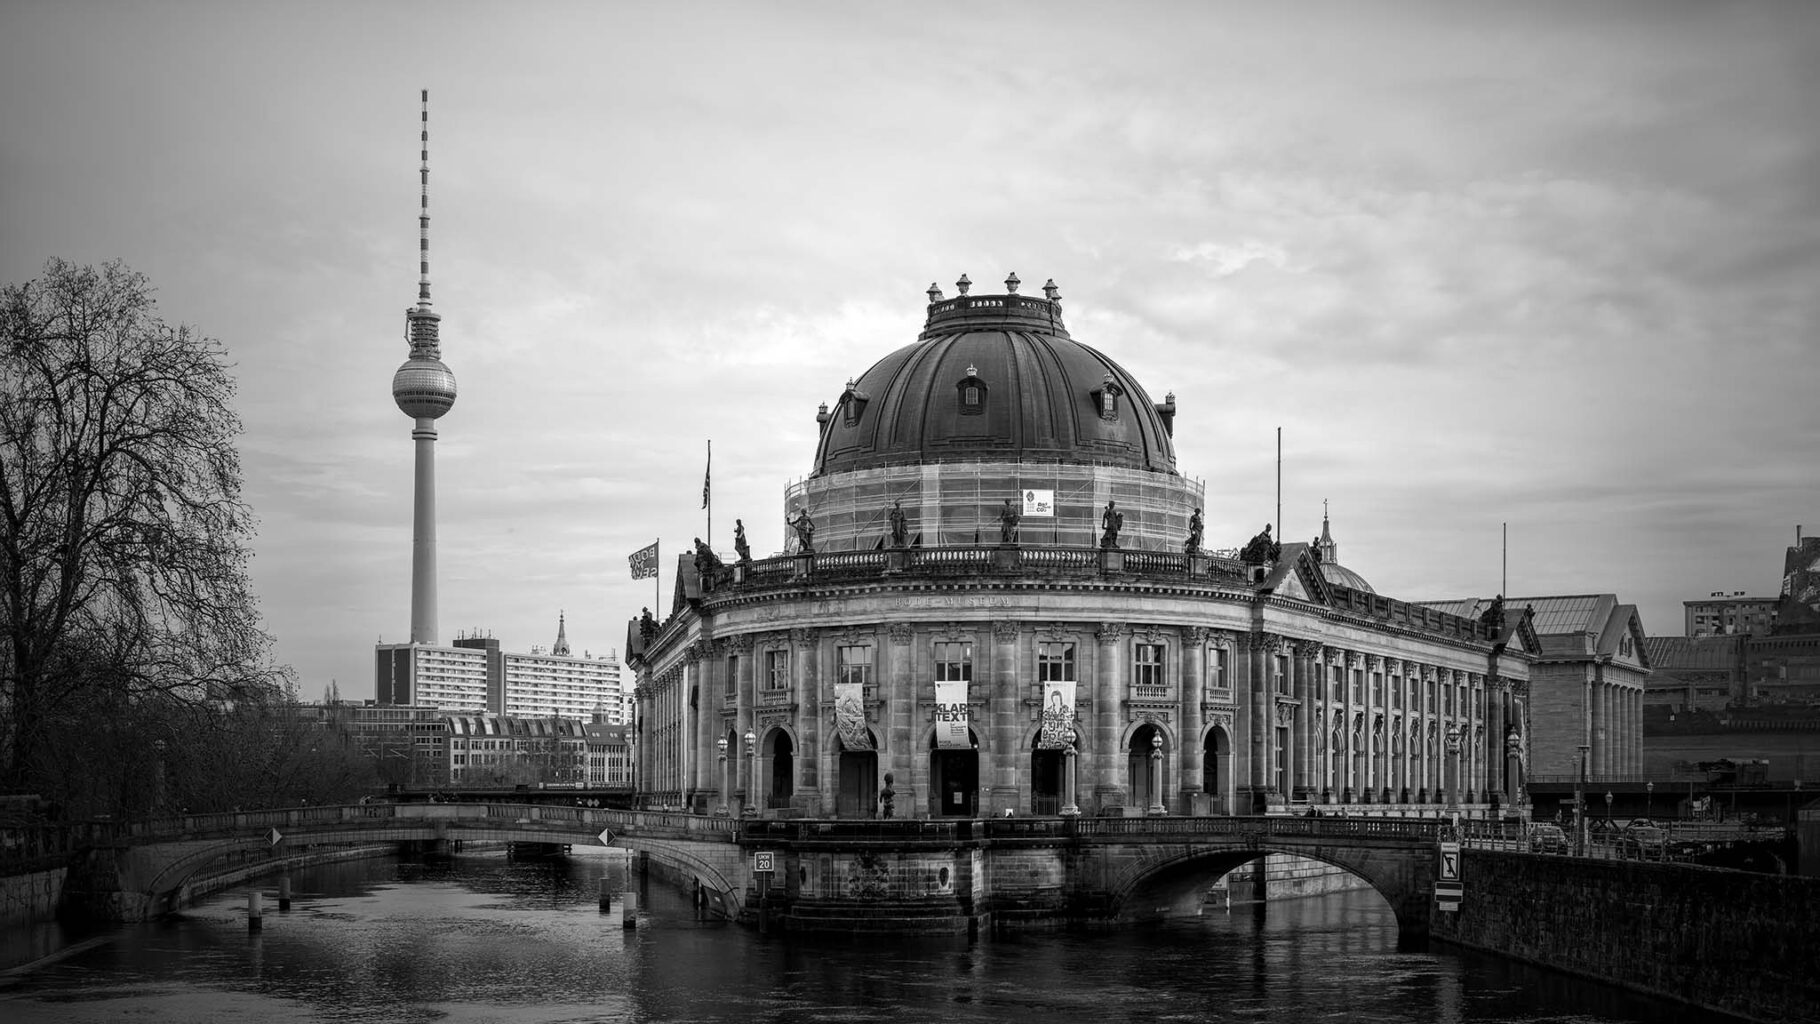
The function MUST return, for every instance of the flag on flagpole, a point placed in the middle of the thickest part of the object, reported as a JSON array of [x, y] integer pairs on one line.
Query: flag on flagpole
[[644, 561], [706, 473]]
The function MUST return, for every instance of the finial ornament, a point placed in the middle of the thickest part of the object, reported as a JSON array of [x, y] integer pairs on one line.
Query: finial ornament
[[963, 284], [935, 293], [1011, 283]]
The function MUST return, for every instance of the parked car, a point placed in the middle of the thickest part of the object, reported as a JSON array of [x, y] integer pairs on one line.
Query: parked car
[[1644, 842], [1546, 838]]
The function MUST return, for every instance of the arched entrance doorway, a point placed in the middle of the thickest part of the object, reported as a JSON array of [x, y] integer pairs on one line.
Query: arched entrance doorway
[[1046, 778], [1146, 791], [783, 769], [857, 776], [1216, 769], [954, 780]]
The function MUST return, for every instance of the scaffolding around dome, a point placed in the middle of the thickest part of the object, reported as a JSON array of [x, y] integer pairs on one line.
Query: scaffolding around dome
[[958, 503]]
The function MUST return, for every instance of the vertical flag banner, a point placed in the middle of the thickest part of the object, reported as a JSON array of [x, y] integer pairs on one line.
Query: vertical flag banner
[[951, 716], [850, 716], [644, 561], [707, 474], [1040, 504], [1058, 715]]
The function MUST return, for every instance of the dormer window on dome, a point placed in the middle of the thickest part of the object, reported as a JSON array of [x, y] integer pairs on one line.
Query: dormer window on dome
[[972, 391], [1106, 398], [853, 403]]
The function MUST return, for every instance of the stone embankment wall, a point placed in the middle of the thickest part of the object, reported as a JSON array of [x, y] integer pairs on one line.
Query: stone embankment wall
[[1739, 942], [30, 897]]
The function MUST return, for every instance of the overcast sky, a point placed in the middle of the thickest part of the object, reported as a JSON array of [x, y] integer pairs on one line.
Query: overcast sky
[[1556, 265]]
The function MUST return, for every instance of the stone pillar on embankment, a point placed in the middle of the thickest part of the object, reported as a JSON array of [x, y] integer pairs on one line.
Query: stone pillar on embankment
[[1738, 942], [29, 897]]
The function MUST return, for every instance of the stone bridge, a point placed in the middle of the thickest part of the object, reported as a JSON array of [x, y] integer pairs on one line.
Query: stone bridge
[[925, 875]]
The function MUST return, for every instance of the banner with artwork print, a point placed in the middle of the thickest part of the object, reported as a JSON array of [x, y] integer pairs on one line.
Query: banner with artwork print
[[850, 716], [1057, 716], [951, 717]]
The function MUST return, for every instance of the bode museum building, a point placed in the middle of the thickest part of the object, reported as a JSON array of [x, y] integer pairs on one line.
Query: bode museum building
[[997, 599]]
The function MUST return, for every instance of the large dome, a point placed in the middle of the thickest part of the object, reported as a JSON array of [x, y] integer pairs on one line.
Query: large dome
[[995, 378]]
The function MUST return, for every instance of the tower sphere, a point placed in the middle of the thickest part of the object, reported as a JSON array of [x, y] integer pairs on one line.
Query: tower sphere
[[423, 388]]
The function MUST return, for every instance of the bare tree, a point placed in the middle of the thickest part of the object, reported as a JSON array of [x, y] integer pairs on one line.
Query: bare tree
[[122, 560]]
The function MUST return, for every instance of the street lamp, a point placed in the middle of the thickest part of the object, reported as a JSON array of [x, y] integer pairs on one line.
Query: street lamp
[[1608, 805], [722, 744], [1069, 807], [752, 776], [158, 780], [1453, 754], [1156, 775], [1580, 805], [1649, 799]]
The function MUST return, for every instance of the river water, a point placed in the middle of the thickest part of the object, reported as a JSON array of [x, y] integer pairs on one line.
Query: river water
[[487, 939]]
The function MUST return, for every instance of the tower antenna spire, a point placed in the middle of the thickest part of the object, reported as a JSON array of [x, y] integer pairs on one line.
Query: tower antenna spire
[[423, 214]]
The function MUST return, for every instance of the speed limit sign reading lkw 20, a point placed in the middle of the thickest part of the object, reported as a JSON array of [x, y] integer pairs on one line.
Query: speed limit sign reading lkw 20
[[764, 862]]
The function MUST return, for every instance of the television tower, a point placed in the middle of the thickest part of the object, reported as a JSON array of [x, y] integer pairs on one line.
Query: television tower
[[424, 389]]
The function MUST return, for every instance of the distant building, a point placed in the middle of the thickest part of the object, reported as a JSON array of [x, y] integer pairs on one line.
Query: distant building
[[1587, 686], [501, 750], [408, 744], [475, 675], [609, 755], [1722, 614], [1694, 673]]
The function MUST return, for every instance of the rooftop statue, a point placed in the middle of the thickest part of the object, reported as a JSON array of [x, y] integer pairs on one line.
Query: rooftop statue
[[1196, 527], [805, 532], [647, 626], [1261, 549], [900, 526], [1111, 522], [706, 561], [1493, 615], [739, 541], [1008, 517]]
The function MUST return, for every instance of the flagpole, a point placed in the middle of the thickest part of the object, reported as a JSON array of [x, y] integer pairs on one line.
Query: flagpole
[[707, 493]]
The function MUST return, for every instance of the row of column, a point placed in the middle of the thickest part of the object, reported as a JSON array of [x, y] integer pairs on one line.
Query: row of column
[[1615, 715], [1286, 740]]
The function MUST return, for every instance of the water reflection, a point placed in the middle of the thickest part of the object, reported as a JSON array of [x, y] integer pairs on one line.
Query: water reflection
[[488, 939]]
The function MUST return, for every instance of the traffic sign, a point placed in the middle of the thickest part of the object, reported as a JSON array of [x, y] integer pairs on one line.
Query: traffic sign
[[1450, 862], [606, 837], [764, 862], [274, 836]]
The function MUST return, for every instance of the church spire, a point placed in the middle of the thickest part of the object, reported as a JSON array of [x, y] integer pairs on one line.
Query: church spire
[[562, 637]]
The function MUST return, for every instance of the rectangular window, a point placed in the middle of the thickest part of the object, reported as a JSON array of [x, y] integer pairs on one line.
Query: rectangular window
[[1338, 694], [732, 673], [1282, 673], [1147, 665], [777, 670], [953, 662], [1396, 692], [1358, 686], [1377, 688], [1222, 669], [1055, 662], [855, 664]]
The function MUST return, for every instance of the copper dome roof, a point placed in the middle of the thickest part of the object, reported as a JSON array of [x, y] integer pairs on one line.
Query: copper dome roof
[[995, 378]]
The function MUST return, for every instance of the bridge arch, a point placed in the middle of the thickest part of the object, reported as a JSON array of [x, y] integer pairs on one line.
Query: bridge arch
[[1171, 882]]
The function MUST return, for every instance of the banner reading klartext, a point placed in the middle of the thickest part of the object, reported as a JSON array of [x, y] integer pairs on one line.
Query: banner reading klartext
[[951, 716]]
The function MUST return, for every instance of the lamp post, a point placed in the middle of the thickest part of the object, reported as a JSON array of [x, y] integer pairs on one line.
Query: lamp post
[[1453, 755], [158, 747], [751, 739], [1069, 807], [632, 763], [1580, 805], [1649, 799], [1608, 805], [1156, 775], [722, 744]]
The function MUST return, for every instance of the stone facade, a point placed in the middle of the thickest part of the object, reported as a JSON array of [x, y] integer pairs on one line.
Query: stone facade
[[1202, 684]]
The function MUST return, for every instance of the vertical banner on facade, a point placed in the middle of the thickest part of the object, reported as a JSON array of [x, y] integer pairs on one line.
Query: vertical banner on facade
[[951, 716], [850, 716], [1058, 715]]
